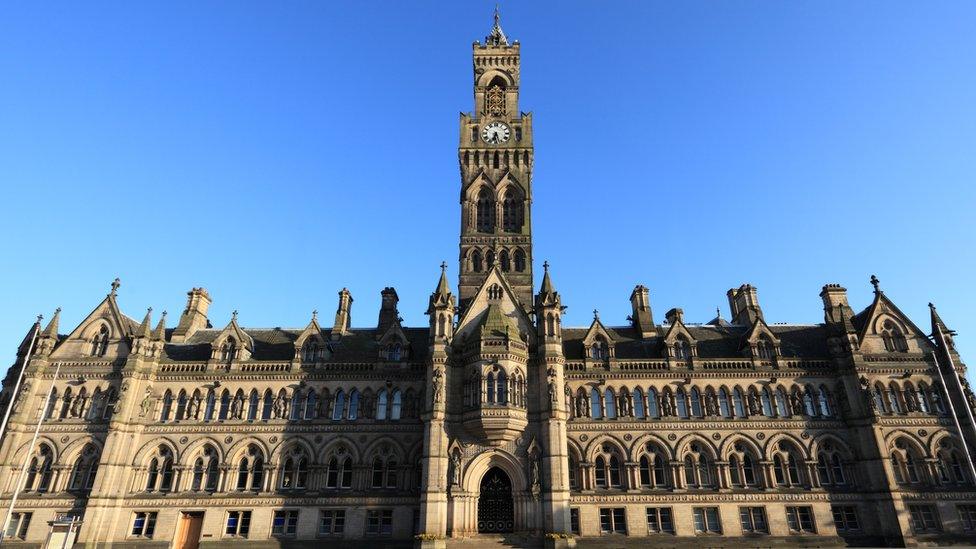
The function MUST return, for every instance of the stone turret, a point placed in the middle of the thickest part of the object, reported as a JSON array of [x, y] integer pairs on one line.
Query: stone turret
[[441, 309], [194, 317], [744, 304]]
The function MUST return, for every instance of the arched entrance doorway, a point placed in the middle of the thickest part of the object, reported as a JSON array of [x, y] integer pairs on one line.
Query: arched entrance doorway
[[495, 504]]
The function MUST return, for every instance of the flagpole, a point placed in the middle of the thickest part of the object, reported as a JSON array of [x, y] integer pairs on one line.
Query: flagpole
[[20, 377], [952, 408], [27, 456]]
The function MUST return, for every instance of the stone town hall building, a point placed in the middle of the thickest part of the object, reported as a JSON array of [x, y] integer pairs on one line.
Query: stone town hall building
[[495, 417]]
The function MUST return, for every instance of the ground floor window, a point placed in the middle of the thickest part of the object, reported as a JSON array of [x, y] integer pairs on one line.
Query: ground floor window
[[285, 522], [707, 520], [800, 520], [845, 518], [144, 524], [659, 520], [967, 515], [613, 521], [17, 528], [238, 523], [379, 522], [925, 518], [753, 520], [574, 523], [332, 521]]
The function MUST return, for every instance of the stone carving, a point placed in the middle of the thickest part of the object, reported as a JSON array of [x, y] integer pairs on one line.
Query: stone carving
[[553, 393], [237, 407], [147, 402], [455, 474], [438, 383]]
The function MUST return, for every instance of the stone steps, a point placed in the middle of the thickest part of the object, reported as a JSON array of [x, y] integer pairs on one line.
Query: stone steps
[[496, 541]]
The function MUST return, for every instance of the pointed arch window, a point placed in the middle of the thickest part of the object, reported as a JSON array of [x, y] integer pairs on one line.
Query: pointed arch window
[[893, 338], [519, 260], [208, 413], [512, 211], [353, 405], [696, 402], [476, 261], [653, 407], [681, 403], [639, 411], [39, 471], [396, 406], [394, 352], [742, 467], [596, 408], [228, 351], [486, 212], [99, 345], [724, 403], [682, 350], [767, 403], [697, 468], [653, 468], [764, 348], [294, 470], [738, 403], [253, 402], [181, 402], [340, 406], [607, 469], [167, 406], [381, 404], [338, 473], [823, 401], [297, 405], [506, 263], [224, 410], [84, 470], [609, 403]]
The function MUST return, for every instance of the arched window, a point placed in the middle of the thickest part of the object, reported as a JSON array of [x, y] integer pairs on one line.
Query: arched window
[[486, 212], [181, 402], [52, 404], [907, 463], [786, 465], [340, 406], [489, 260], [512, 211], [639, 403], [267, 407], [250, 471], [598, 350], [39, 471], [609, 401], [596, 406], [949, 464], [653, 408], [167, 406], [228, 351], [681, 403], [823, 400], [782, 403], [767, 404], [653, 468], [159, 475], [208, 413], [297, 405], [764, 348], [830, 468], [99, 346], [519, 260], [476, 261], [923, 401], [696, 402], [506, 263], [809, 402], [338, 474], [738, 403], [294, 470], [205, 471], [501, 388], [311, 404], [894, 402], [682, 351], [384, 472], [381, 404], [394, 352], [310, 351], [396, 406], [879, 398], [742, 467], [893, 338], [607, 468], [224, 405], [698, 468], [353, 405], [84, 470], [253, 402]]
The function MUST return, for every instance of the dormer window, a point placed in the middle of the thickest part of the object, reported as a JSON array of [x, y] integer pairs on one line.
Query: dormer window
[[310, 351], [893, 338], [598, 351], [682, 350], [228, 349], [100, 342], [394, 352], [764, 349]]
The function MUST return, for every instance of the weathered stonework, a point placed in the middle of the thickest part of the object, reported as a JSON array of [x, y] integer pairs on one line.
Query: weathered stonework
[[494, 417]]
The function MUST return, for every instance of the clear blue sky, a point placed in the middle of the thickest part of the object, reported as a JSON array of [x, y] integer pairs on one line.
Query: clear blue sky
[[276, 152]]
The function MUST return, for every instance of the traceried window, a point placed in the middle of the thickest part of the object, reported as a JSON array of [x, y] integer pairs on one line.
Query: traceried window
[[486, 212], [653, 466], [512, 211], [39, 471], [698, 468], [99, 345], [607, 468], [84, 470], [294, 470]]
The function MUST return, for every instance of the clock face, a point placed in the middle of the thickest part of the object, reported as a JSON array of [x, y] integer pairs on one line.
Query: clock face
[[495, 133]]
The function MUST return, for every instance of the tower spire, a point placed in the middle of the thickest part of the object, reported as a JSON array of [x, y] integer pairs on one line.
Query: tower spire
[[497, 36]]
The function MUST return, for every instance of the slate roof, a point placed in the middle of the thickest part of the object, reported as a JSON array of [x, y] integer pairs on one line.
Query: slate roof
[[805, 341], [359, 345]]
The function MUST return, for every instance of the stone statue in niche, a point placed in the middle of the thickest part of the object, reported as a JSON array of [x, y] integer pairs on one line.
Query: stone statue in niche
[[147, 402]]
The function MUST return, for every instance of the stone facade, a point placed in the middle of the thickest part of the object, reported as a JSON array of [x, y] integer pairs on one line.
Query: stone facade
[[494, 417]]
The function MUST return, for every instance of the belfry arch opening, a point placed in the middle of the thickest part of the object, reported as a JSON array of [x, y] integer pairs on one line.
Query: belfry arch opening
[[496, 510]]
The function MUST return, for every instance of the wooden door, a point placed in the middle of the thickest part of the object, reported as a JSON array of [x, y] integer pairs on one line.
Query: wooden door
[[188, 536]]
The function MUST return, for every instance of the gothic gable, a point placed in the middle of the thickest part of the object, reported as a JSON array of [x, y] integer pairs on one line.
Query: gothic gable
[[760, 341], [105, 334], [882, 327], [232, 343], [598, 344], [496, 293]]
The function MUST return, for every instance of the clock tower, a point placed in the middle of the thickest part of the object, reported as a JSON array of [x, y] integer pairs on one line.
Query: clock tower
[[495, 155]]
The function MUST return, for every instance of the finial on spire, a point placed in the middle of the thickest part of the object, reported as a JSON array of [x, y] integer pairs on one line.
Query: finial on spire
[[876, 283], [148, 309], [497, 16], [545, 266], [233, 315], [315, 314], [115, 286], [164, 314], [718, 312], [596, 314], [443, 266], [497, 36], [931, 306], [39, 319]]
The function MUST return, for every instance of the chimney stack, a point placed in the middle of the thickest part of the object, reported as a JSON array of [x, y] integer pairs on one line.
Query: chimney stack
[[343, 316], [194, 317], [388, 311], [836, 308], [641, 316], [744, 304]]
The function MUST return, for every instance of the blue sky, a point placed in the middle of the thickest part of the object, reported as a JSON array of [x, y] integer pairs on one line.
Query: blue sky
[[276, 152]]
